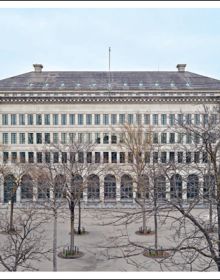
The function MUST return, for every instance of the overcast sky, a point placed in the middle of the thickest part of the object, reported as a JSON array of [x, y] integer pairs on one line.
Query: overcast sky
[[140, 39]]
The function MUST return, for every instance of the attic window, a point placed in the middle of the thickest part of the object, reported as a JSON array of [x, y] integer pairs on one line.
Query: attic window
[[172, 84], [125, 84], [156, 84], [109, 85], [93, 85], [46, 86], [31, 84], [62, 84], [140, 84], [187, 84], [78, 85]]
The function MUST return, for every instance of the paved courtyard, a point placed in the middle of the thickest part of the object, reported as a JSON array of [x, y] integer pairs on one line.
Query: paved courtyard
[[103, 233]]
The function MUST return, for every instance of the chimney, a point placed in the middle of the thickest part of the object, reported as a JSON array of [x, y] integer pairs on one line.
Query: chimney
[[38, 68], [181, 67]]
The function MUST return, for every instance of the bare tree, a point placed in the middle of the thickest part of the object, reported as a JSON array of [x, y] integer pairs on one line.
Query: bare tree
[[24, 246]]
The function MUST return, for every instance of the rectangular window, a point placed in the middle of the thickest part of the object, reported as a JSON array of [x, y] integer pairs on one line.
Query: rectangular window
[[105, 138], [5, 157], [80, 119], [155, 157], [81, 138], [138, 119], [55, 119], [30, 119], [130, 118], [121, 137], [55, 138], [205, 119], [147, 137], [72, 119], [63, 138], [5, 138], [180, 157], [63, 119], [180, 138], [122, 157], [38, 119], [14, 157], [188, 119], [172, 157], [106, 119], [89, 157], [30, 138], [97, 119], [196, 157], [72, 137], [188, 157], [13, 138], [64, 157], [163, 119], [163, 138], [5, 119], [197, 119], [114, 157], [80, 157], [47, 138], [130, 157], [172, 119], [196, 138], [55, 157], [213, 119], [97, 157], [88, 138], [147, 119], [147, 157], [47, 157], [22, 157], [180, 119], [122, 119], [172, 138], [13, 119], [47, 119], [88, 119], [205, 157], [72, 157], [113, 119], [30, 157], [113, 139], [163, 157], [155, 119], [97, 138], [39, 138], [22, 138], [155, 138], [105, 157], [39, 157], [188, 138], [21, 119]]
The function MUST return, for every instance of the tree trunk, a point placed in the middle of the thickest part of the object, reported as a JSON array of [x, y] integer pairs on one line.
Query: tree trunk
[[55, 241], [79, 224], [144, 217], [218, 214], [155, 228], [11, 226], [72, 214]]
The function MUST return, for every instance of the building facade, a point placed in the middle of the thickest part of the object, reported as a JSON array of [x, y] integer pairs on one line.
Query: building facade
[[43, 107]]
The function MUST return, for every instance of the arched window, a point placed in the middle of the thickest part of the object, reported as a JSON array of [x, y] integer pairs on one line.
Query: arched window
[[93, 187], [77, 186], [26, 188], [9, 188], [192, 186], [126, 187], [60, 186], [143, 187], [109, 187], [176, 186], [160, 187], [43, 188], [208, 187]]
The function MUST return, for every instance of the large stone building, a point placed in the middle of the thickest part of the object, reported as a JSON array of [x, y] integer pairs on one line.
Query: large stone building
[[41, 107]]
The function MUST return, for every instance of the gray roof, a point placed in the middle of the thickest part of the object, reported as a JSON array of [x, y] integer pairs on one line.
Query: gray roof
[[99, 80]]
